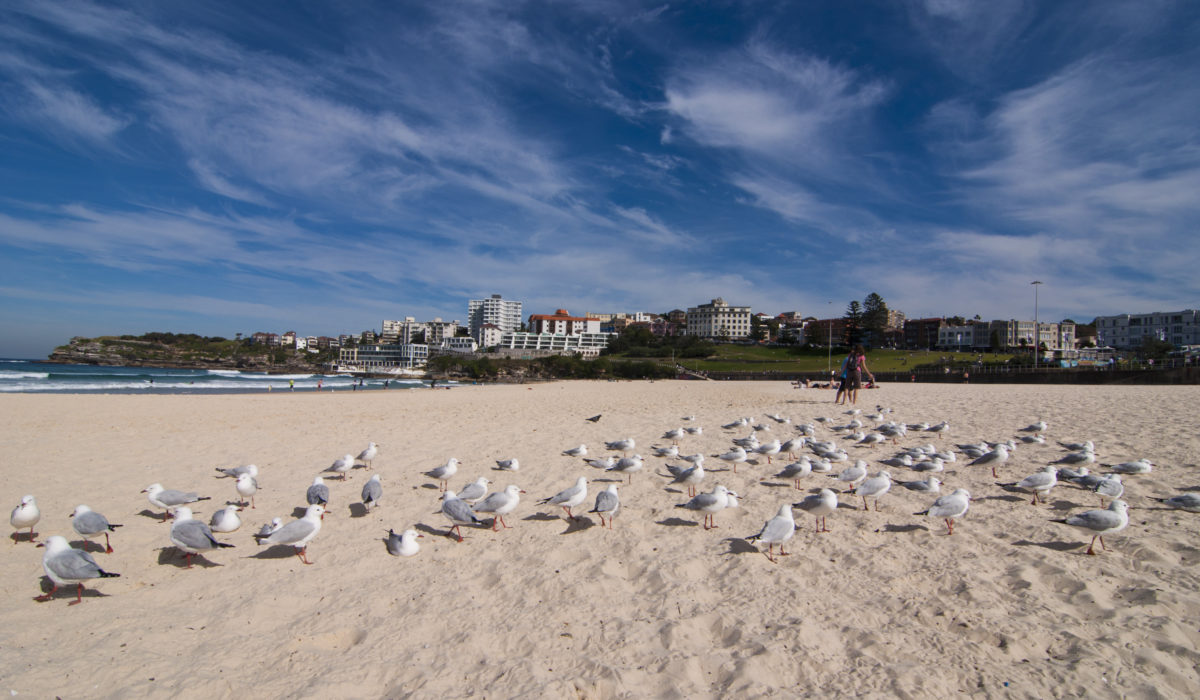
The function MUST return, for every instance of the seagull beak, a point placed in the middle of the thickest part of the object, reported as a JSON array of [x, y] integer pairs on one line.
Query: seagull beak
[[420, 535]]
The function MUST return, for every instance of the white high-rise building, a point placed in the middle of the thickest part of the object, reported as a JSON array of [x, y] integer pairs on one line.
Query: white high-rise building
[[505, 315], [719, 320]]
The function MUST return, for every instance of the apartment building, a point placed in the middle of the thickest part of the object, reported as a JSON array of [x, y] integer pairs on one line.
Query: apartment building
[[719, 321], [1126, 331], [502, 313], [562, 323]]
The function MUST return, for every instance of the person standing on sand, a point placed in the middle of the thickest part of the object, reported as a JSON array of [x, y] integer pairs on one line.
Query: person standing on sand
[[853, 370], [292, 384]]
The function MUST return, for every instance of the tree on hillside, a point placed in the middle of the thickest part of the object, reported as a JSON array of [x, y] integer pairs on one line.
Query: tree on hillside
[[875, 316], [854, 323], [758, 330]]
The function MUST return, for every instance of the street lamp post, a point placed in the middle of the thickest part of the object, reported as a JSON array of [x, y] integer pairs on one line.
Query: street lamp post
[[829, 343], [1037, 327]]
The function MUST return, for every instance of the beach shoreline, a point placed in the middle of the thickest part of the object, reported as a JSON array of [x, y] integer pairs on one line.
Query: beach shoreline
[[884, 605]]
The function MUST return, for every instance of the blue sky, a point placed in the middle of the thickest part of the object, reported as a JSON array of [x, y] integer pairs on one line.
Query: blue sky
[[217, 167]]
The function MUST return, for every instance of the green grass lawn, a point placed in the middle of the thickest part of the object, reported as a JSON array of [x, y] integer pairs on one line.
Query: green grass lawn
[[757, 358]]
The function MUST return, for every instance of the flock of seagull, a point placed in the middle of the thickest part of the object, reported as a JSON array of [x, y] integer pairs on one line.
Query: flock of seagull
[[66, 565]]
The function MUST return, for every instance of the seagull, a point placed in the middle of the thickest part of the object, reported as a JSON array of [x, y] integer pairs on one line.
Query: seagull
[[739, 423], [270, 527], [950, 507], [940, 428], [403, 545], [475, 490], [673, 435], [318, 493], [692, 417], [694, 459], [500, 504], [508, 465], [297, 533], [871, 439], [623, 446], [569, 497], [797, 470], [819, 505], [192, 536], [65, 565], [368, 455], [666, 452], [580, 451], [750, 442], [903, 460], [791, 446], [777, 530], [1038, 427], [372, 491], [769, 448], [1137, 466], [444, 472], [694, 430], [1081, 457], [930, 485], [628, 465], [607, 503], [595, 418], [606, 463], [247, 486], [226, 519], [875, 487], [1033, 439], [710, 504], [1068, 474], [170, 498], [341, 466], [1110, 487], [25, 515], [457, 512], [933, 464], [688, 475], [993, 459], [1087, 446], [89, 523], [854, 475], [235, 472], [1039, 483], [734, 457], [1101, 522], [1185, 501], [822, 465]]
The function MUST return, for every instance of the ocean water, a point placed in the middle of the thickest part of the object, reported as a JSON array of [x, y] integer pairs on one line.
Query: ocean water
[[32, 377]]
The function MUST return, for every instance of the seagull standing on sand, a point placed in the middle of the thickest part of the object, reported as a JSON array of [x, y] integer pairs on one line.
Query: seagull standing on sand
[[735, 457], [568, 498], [25, 515], [580, 451], [247, 486], [342, 466], [819, 505], [673, 435], [769, 449], [797, 470], [88, 523], [403, 545], [444, 472], [993, 459], [930, 485], [627, 466], [318, 493], [607, 503], [1110, 487], [457, 512], [226, 519], [691, 476], [167, 499], [508, 465], [710, 504], [475, 490], [372, 491], [854, 475], [950, 507], [1137, 466], [1101, 522], [606, 463], [65, 565], [666, 452], [623, 446], [874, 487], [777, 531], [1185, 501], [192, 536], [235, 472], [368, 455], [500, 504], [1039, 483], [297, 533]]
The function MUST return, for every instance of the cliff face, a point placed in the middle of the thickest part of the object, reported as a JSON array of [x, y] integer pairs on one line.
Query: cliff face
[[140, 353]]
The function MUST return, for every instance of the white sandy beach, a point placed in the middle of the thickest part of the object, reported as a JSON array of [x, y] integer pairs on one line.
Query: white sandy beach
[[886, 605]]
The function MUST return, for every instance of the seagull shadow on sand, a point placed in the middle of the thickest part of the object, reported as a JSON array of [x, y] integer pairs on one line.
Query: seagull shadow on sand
[[738, 545], [901, 528], [45, 584], [1009, 499], [153, 515], [578, 525], [677, 522], [23, 537], [542, 517], [427, 529], [1056, 545], [277, 551], [774, 484], [173, 556], [610, 481], [358, 510]]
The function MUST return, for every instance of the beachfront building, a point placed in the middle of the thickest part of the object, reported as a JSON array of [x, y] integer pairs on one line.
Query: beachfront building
[[583, 344], [562, 323], [269, 339], [960, 338], [818, 331], [1127, 331], [375, 358], [489, 335], [922, 332], [719, 321], [438, 330], [502, 313], [457, 344]]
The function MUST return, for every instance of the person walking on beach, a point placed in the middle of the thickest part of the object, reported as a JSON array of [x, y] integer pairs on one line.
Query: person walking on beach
[[292, 384], [852, 371]]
